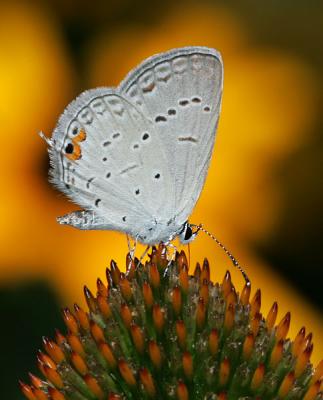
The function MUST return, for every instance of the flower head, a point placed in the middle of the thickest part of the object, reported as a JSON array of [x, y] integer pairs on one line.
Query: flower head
[[158, 332]]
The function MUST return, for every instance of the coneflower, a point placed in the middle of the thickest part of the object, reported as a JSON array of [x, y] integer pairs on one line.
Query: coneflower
[[157, 332]]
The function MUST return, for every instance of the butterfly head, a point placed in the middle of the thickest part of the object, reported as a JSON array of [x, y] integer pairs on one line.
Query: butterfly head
[[188, 232]]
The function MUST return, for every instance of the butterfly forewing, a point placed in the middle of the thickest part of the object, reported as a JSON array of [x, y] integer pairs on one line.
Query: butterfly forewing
[[180, 92]]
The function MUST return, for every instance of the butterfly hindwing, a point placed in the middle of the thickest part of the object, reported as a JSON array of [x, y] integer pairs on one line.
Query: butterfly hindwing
[[107, 158]]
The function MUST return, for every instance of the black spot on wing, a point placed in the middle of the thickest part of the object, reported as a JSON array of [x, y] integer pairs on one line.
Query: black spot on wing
[[187, 139], [196, 100], [183, 102], [69, 148], [127, 169], [160, 118], [89, 181]]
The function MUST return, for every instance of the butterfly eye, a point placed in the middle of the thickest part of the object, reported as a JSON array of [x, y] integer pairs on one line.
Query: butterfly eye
[[188, 233]]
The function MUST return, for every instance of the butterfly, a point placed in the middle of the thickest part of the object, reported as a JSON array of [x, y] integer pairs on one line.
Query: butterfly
[[135, 157]]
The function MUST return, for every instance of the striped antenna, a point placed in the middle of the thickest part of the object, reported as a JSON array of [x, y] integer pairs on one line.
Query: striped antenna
[[227, 252]]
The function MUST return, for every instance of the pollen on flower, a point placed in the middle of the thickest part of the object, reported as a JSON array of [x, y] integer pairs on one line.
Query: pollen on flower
[[157, 332]]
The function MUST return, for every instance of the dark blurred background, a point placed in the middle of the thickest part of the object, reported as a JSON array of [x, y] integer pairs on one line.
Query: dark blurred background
[[264, 188]]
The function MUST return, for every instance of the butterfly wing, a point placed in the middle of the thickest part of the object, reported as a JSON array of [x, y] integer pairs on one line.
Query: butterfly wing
[[107, 157], [136, 157], [180, 92]]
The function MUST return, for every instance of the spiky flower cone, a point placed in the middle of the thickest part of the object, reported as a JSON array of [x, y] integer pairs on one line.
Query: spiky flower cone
[[158, 333]]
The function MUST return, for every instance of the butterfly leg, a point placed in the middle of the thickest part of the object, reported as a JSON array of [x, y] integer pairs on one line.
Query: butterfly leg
[[129, 244], [174, 248], [143, 254], [131, 248], [172, 258]]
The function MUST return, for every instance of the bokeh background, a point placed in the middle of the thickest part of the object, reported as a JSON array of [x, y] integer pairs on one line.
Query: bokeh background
[[263, 190]]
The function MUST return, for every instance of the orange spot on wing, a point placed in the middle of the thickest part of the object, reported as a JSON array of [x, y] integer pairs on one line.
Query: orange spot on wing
[[80, 137], [76, 155]]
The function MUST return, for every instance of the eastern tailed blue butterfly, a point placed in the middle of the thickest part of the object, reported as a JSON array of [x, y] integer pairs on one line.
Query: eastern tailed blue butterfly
[[135, 157]]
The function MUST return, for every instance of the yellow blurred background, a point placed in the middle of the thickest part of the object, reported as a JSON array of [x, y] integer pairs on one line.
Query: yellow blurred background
[[262, 193]]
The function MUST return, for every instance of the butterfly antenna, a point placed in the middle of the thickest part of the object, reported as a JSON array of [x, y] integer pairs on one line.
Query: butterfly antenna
[[48, 141], [227, 252]]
